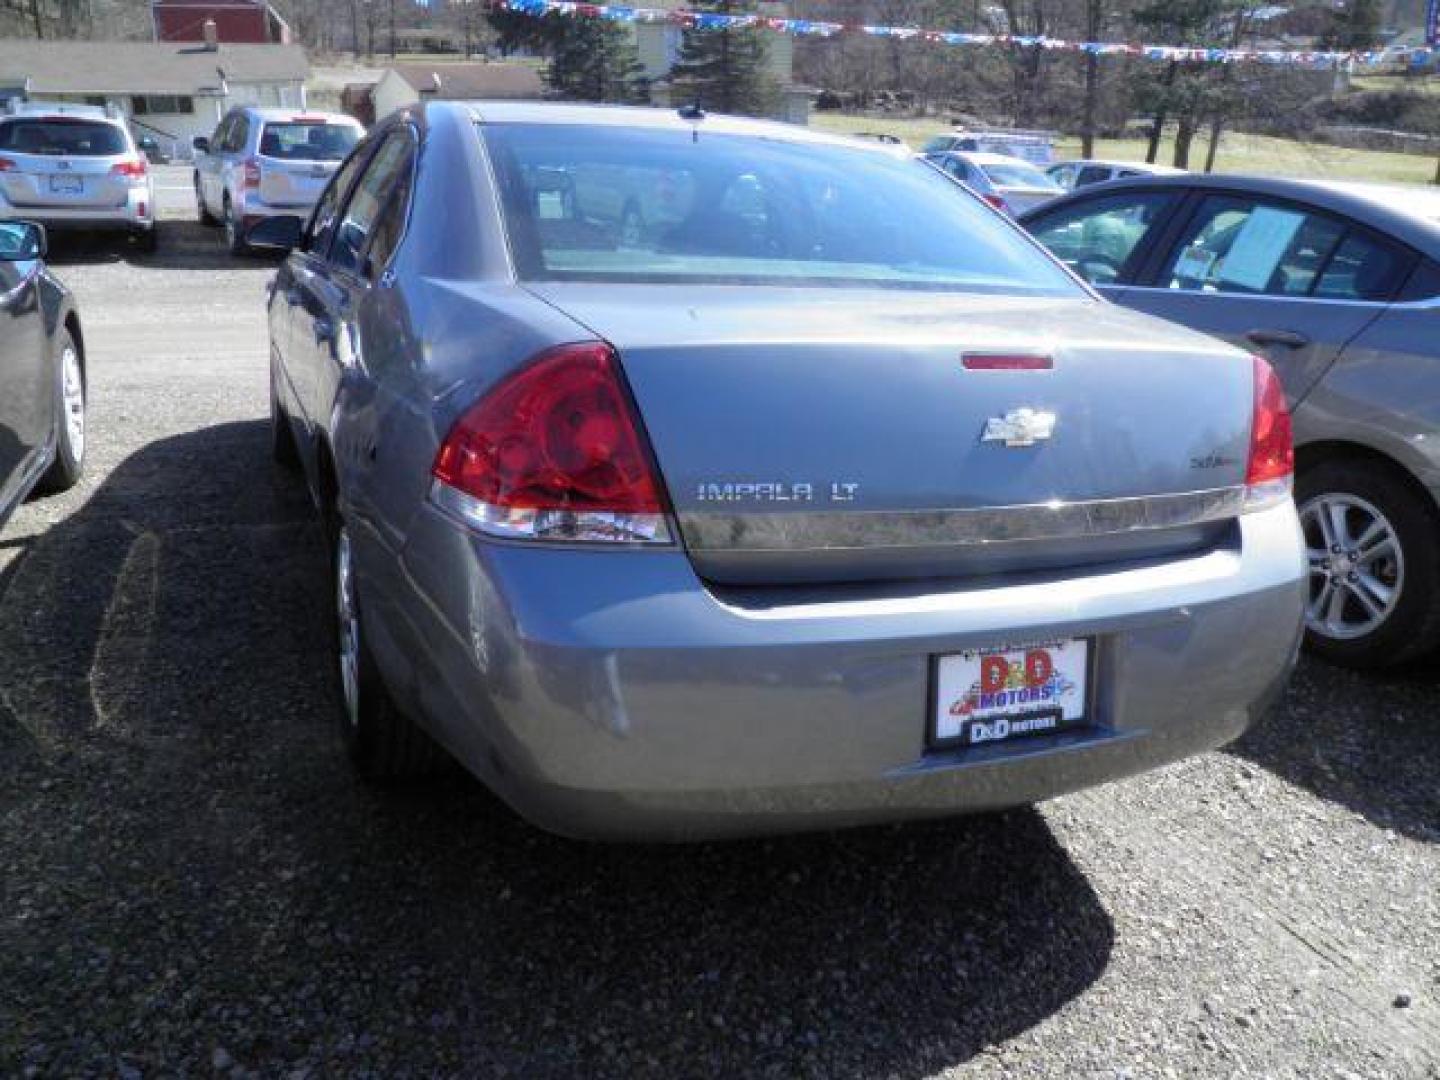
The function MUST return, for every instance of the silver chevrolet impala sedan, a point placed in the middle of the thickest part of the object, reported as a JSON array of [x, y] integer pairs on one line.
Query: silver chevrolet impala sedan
[[687, 476]]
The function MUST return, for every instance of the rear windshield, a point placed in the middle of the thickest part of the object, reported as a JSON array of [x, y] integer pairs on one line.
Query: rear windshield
[[308, 141], [62, 138], [600, 203], [1018, 175]]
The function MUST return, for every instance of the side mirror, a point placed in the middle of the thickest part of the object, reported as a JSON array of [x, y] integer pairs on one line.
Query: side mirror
[[22, 241], [200, 144], [276, 232]]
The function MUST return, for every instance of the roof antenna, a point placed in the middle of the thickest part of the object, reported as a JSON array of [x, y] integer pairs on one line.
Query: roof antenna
[[693, 111]]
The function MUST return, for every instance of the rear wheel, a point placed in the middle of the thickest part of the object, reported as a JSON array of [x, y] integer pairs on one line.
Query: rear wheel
[[382, 743], [206, 218], [65, 471], [234, 231], [1373, 546], [148, 240]]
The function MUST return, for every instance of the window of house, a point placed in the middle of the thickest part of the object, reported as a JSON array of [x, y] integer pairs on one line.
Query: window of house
[[161, 105]]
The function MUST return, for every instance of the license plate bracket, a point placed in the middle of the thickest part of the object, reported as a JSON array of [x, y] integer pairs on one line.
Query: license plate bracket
[[1001, 693]]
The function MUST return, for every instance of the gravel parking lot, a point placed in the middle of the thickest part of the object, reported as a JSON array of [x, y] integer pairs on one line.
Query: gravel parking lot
[[191, 880]]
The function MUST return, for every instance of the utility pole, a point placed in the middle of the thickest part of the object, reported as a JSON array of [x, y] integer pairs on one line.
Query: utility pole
[[1094, 27]]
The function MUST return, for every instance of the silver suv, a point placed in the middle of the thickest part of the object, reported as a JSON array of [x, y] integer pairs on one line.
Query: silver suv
[[264, 163], [75, 167]]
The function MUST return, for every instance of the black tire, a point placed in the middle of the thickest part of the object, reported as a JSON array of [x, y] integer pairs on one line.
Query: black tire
[[382, 743], [1412, 626], [234, 231], [282, 436], [147, 241], [206, 218], [69, 464]]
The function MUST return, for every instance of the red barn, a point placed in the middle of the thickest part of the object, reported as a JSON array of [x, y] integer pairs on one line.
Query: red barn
[[237, 22]]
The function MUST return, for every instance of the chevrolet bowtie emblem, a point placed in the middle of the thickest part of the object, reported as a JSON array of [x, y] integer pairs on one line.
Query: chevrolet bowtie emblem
[[1019, 427]]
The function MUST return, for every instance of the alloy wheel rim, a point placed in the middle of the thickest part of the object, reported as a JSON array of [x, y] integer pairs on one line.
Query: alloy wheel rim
[[229, 225], [72, 397], [349, 627], [1357, 567]]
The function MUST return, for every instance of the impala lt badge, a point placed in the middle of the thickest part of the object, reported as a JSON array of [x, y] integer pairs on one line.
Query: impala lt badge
[[1019, 427]]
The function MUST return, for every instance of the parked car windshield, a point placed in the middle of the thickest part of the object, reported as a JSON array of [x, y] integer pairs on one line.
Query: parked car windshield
[[308, 140], [599, 203], [1018, 174], [62, 138]]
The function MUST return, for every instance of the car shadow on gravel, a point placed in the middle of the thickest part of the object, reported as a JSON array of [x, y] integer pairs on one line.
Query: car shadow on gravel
[[189, 873], [184, 245], [1369, 741]]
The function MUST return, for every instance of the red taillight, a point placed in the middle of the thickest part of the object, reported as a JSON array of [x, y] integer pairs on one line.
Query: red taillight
[[252, 173], [1272, 449], [998, 202], [130, 170], [6, 164], [554, 452]]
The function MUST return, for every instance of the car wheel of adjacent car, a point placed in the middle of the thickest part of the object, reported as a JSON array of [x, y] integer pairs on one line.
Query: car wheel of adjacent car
[[282, 436], [234, 233], [148, 240], [65, 471], [206, 218], [381, 741], [1374, 551]]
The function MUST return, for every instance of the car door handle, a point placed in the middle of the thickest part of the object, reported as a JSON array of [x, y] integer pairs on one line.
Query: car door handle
[[1288, 338]]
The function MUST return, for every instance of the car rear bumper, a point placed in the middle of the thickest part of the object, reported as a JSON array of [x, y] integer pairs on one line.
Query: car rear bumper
[[135, 215], [610, 694]]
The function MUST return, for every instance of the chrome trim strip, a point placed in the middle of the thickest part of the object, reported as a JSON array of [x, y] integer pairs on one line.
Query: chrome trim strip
[[870, 529], [1274, 298]]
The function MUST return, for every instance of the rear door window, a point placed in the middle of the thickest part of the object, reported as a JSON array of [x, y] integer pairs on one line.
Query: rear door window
[[327, 211], [1099, 237], [62, 137], [1249, 246], [372, 191], [1362, 268], [1092, 174], [235, 137]]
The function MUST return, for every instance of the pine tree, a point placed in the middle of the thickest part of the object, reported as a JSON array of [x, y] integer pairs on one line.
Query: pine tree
[[593, 60], [1354, 26], [725, 70]]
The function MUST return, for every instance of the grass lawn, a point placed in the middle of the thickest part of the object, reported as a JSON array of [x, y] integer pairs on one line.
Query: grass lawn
[[1239, 153]]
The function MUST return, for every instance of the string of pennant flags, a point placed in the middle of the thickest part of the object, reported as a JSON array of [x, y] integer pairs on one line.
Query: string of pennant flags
[[714, 20]]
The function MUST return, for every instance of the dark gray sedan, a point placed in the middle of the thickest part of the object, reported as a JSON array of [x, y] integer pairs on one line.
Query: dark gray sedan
[[1338, 286], [686, 475], [42, 372]]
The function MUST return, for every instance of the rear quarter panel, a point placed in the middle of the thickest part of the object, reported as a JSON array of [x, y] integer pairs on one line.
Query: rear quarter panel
[[1384, 393]]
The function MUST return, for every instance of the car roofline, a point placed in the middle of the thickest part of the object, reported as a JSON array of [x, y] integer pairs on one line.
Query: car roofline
[[1355, 200], [651, 119]]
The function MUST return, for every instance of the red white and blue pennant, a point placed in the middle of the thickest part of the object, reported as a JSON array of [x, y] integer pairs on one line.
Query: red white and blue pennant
[[713, 20]]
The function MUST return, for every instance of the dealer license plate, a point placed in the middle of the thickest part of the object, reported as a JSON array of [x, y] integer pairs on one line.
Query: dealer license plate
[[1007, 692], [63, 184]]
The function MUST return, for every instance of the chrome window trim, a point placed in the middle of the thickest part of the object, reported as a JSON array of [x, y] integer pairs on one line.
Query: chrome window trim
[[871, 529], [1379, 304]]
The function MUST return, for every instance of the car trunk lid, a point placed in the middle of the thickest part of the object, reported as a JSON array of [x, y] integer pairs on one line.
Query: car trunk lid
[[841, 435]]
